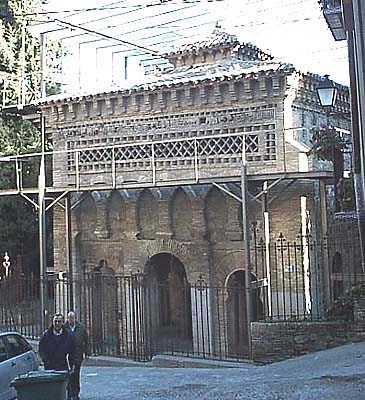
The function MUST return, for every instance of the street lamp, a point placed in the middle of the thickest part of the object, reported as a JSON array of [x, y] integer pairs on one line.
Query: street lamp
[[327, 92]]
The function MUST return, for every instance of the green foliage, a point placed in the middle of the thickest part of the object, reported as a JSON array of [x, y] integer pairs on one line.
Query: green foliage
[[343, 309], [18, 217], [325, 141]]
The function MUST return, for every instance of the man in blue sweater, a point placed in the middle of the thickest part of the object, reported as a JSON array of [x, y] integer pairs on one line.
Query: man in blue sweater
[[57, 346]]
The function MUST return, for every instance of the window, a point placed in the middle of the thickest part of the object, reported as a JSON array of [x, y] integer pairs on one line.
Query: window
[[3, 352], [16, 345]]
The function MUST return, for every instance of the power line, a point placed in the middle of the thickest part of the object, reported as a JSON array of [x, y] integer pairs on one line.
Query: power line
[[166, 23], [129, 22], [172, 11], [170, 32], [106, 36], [106, 8], [200, 25]]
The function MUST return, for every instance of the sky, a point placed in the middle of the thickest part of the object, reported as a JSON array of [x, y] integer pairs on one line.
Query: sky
[[292, 31]]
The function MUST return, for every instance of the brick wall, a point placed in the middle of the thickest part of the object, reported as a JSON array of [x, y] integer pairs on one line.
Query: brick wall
[[275, 341]]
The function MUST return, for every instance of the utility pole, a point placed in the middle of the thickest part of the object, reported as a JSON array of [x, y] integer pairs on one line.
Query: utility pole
[[22, 88], [246, 244], [42, 226], [43, 60], [359, 59], [354, 18]]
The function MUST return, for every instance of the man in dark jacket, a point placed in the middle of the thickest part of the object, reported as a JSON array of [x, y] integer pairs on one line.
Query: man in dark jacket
[[79, 333], [57, 346]]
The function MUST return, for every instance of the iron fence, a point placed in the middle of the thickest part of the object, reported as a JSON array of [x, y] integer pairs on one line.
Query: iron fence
[[142, 315]]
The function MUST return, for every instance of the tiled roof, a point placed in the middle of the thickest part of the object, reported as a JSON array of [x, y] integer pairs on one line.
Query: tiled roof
[[217, 39], [227, 69]]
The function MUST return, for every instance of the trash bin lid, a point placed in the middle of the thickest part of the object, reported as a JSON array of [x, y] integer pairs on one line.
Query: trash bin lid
[[40, 377]]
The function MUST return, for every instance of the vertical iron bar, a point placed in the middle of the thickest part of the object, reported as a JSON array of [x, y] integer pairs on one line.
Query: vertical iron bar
[[113, 168], [267, 245], [196, 161], [290, 271], [296, 278], [153, 164], [69, 266], [197, 347], [77, 166], [42, 223], [283, 274], [246, 244], [277, 280]]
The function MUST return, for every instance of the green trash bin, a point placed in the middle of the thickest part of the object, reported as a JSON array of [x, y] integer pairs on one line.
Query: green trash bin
[[41, 385]]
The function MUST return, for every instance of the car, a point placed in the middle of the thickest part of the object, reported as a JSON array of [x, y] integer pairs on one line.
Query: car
[[16, 357]]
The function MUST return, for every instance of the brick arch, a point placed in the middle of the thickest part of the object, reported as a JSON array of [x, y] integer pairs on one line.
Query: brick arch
[[181, 215], [86, 216], [216, 215], [103, 315], [147, 215], [170, 298], [116, 216], [226, 264], [174, 247]]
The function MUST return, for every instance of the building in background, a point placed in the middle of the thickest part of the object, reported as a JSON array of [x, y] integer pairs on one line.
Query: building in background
[[156, 169]]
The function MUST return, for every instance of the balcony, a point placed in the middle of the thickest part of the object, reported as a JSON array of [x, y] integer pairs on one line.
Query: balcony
[[332, 12]]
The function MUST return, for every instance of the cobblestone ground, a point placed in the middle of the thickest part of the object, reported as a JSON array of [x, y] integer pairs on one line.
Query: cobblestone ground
[[335, 374]]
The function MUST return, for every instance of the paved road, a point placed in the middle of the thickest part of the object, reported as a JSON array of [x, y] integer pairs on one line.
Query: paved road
[[335, 374]]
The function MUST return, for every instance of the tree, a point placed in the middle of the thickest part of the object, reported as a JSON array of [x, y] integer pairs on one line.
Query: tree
[[18, 218], [328, 145]]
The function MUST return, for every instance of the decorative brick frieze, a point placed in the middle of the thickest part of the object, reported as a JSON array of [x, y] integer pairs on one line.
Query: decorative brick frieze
[[62, 112], [276, 89], [161, 100], [195, 96], [100, 107], [71, 111], [149, 102], [110, 105], [204, 95], [247, 92], [217, 95], [54, 114], [84, 109], [262, 86], [125, 104], [233, 91], [138, 102], [174, 98]]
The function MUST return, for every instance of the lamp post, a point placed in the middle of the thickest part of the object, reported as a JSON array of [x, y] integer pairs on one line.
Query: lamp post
[[327, 93]]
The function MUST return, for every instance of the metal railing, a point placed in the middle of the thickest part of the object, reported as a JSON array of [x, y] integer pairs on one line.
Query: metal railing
[[138, 316], [150, 161]]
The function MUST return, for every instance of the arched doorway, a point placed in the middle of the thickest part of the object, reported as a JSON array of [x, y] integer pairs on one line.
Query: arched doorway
[[104, 319], [168, 304], [237, 330]]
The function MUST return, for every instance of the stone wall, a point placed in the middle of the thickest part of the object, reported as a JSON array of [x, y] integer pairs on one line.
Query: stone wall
[[275, 341]]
